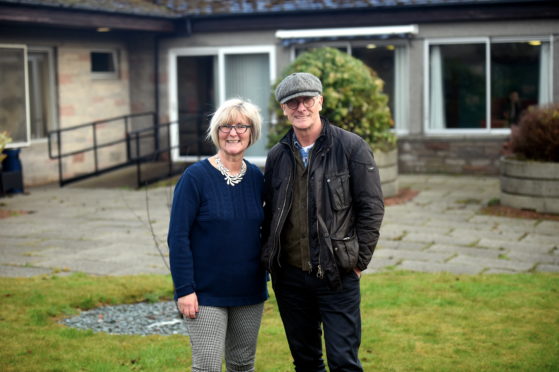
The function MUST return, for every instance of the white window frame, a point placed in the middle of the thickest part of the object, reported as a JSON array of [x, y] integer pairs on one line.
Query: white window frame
[[487, 41], [220, 53], [106, 75], [27, 141]]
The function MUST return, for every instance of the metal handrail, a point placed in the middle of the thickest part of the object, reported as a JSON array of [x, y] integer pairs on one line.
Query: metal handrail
[[92, 124], [138, 135], [95, 146]]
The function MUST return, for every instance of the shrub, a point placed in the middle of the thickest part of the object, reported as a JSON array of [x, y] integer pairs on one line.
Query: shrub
[[353, 97], [537, 136], [4, 140]]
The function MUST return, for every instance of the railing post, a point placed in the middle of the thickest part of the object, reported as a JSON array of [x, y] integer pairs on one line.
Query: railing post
[[138, 170], [95, 157], [155, 135], [59, 146], [127, 135]]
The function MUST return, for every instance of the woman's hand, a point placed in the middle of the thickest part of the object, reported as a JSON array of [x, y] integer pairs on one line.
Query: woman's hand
[[188, 305]]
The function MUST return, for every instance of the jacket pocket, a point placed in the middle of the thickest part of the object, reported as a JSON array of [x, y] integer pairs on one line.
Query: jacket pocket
[[339, 190], [346, 251]]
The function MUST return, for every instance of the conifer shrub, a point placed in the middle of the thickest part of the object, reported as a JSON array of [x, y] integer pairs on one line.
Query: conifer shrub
[[353, 97], [537, 136]]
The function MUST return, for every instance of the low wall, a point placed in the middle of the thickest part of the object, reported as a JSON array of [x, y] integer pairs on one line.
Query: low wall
[[454, 155]]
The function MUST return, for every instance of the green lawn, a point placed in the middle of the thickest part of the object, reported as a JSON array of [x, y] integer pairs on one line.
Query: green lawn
[[411, 322]]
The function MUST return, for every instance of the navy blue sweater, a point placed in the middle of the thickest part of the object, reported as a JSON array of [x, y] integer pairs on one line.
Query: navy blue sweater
[[214, 237]]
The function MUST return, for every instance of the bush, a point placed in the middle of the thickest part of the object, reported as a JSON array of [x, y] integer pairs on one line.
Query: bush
[[537, 136], [353, 97], [4, 140]]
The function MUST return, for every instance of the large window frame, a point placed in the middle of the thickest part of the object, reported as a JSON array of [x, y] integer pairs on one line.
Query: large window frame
[[401, 72], [428, 126], [220, 53], [26, 137]]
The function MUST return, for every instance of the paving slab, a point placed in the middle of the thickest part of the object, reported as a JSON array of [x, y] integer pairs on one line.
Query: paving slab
[[507, 264], [547, 268], [433, 267], [466, 251]]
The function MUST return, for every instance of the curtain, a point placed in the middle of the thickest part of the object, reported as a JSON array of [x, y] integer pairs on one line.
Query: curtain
[[544, 89], [248, 76], [401, 95], [436, 97]]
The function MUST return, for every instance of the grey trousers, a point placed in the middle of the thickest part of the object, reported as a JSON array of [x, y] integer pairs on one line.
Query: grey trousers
[[229, 331]]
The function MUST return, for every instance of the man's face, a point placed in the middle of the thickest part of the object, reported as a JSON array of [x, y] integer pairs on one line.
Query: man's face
[[303, 112]]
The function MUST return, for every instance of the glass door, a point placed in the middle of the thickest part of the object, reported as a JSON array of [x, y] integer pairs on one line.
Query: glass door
[[201, 79], [196, 101]]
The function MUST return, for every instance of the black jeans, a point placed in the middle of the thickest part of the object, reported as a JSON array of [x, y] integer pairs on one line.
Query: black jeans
[[305, 303]]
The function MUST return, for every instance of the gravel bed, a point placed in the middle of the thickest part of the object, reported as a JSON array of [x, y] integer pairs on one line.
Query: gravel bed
[[160, 318]]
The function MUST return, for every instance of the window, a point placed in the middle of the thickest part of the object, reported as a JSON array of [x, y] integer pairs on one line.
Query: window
[[104, 64], [515, 80], [484, 85], [13, 94], [389, 61]]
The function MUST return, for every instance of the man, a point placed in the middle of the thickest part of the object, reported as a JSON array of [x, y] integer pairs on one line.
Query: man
[[323, 210]]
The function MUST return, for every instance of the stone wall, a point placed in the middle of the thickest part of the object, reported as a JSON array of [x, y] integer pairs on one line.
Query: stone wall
[[465, 155]]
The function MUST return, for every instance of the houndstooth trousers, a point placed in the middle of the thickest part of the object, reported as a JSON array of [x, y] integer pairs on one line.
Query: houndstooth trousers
[[232, 331]]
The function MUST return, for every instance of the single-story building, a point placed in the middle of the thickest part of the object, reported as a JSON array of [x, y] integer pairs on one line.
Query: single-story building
[[457, 72]]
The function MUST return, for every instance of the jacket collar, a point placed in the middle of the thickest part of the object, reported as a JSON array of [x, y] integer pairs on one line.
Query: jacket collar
[[325, 138]]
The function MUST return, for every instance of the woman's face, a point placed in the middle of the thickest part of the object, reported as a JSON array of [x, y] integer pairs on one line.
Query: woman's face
[[233, 141]]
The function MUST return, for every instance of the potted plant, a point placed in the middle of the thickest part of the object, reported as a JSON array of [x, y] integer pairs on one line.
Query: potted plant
[[530, 175], [4, 140], [353, 100]]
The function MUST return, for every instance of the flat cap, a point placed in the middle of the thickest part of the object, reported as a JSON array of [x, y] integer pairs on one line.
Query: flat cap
[[298, 84]]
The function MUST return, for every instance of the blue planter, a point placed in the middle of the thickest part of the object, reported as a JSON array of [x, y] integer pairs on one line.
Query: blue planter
[[11, 180], [11, 163]]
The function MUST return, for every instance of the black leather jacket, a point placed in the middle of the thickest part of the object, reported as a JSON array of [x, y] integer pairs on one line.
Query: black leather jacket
[[345, 202]]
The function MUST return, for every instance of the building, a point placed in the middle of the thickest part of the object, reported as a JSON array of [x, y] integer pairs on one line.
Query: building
[[453, 69]]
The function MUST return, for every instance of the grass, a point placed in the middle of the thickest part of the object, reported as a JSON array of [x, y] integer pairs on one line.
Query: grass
[[411, 322]]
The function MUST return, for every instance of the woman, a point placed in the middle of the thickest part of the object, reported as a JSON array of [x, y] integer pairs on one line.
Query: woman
[[214, 244]]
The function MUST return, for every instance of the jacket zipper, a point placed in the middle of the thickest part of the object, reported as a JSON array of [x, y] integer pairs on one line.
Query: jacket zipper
[[307, 201], [319, 272]]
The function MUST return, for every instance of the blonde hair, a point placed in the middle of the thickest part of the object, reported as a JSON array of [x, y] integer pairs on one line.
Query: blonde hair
[[228, 112]]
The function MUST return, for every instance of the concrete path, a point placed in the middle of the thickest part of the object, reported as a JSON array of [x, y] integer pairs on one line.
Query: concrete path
[[121, 231]]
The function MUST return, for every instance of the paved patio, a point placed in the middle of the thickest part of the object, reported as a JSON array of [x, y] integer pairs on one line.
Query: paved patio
[[122, 231]]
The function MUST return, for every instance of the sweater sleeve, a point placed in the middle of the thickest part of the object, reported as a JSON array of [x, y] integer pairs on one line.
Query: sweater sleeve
[[186, 201]]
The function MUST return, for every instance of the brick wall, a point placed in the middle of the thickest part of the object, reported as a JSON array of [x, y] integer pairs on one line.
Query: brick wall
[[466, 155]]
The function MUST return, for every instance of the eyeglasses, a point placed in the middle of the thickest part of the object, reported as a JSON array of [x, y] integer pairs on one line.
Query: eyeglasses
[[239, 128], [293, 104]]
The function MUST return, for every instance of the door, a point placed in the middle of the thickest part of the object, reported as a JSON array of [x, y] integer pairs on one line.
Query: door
[[201, 79]]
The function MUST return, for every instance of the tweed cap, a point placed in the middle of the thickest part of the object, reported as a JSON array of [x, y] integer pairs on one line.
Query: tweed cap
[[298, 84]]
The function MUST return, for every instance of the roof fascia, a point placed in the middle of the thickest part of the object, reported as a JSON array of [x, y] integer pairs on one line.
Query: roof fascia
[[62, 18], [364, 17]]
